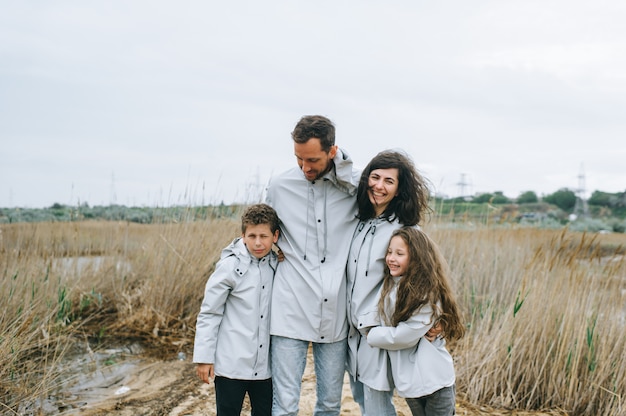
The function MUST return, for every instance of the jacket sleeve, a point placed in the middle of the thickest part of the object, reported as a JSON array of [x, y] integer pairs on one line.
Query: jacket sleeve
[[407, 334], [216, 292], [368, 319]]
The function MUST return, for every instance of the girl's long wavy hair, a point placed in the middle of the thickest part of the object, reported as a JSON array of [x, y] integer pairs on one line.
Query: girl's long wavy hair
[[425, 282]]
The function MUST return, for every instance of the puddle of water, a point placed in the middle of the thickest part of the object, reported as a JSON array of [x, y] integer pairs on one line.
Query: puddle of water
[[81, 264], [88, 378]]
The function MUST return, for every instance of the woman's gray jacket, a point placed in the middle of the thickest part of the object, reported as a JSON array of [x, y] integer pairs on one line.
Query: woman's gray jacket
[[369, 365]]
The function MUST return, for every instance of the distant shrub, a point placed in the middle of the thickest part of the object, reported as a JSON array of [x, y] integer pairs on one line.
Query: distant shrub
[[589, 225], [618, 226], [528, 197], [563, 198]]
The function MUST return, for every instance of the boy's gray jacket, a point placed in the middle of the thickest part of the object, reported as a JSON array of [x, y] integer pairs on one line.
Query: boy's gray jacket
[[232, 330], [366, 265], [317, 222]]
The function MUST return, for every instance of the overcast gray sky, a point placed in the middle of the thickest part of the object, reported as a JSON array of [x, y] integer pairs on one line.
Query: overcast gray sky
[[159, 103]]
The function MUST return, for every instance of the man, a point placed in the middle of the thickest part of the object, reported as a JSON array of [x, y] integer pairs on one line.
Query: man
[[317, 207]]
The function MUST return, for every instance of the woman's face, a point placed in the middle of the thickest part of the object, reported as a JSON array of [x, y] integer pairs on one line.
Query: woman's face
[[382, 185]]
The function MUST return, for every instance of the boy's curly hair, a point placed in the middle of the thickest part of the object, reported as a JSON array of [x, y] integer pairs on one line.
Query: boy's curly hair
[[260, 214]]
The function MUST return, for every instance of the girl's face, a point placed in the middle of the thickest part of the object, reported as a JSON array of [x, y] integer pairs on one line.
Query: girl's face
[[382, 188], [397, 258]]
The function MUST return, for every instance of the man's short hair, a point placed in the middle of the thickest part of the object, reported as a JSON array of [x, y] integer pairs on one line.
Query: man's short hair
[[318, 127]]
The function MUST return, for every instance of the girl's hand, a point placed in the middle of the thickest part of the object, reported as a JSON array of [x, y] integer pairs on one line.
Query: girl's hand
[[365, 331], [434, 332]]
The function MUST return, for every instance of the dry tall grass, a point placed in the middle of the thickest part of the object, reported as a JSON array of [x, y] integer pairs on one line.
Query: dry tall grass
[[545, 309], [62, 283], [546, 314]]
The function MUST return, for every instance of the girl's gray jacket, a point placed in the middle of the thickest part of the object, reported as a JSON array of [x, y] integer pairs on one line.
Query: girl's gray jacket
[[232, 330], [317, 222], [367, 364], [419, 367]]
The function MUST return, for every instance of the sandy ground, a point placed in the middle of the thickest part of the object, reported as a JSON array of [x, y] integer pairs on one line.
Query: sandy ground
[[171, 388]]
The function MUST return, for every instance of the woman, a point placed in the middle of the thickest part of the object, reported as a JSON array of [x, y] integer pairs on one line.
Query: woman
[[391, 194]]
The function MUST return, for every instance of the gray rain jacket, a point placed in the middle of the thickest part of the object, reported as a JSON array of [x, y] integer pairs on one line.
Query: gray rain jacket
[[317, 222], [232, 330], [419, 367], [366, 266]]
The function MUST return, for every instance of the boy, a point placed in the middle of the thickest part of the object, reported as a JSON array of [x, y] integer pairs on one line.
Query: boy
[[232, 330]]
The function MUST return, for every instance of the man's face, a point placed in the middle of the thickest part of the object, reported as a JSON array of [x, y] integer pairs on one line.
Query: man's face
[[313, 161]]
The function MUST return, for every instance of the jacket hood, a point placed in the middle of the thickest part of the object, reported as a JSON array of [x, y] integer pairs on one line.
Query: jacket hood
[[344, 178], [239, 250], [236, 248]]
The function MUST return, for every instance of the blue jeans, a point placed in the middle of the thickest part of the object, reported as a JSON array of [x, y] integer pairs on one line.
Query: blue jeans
[[372, 402], [288, 362], [440, 403]]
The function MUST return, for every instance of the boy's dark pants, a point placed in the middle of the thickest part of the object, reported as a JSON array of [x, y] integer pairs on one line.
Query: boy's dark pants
[[229, 395]]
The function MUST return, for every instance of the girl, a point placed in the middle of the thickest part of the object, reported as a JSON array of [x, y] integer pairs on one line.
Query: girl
[[415, 295]]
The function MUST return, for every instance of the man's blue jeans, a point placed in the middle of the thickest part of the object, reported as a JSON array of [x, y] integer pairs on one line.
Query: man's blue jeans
[[288, 362], [372, 402]]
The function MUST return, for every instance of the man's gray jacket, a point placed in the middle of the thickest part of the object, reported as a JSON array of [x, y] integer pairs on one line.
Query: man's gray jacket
[[317, 222]]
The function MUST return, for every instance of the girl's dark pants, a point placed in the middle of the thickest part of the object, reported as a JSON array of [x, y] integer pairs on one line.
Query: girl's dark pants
[[440, 403]]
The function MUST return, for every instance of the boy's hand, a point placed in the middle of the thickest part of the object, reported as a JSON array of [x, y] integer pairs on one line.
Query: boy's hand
[[205, 372]]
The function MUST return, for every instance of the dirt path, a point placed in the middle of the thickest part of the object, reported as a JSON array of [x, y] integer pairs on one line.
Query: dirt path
[[170, 388]]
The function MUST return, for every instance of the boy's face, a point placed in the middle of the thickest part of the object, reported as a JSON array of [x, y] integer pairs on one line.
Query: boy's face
[[259, 239]]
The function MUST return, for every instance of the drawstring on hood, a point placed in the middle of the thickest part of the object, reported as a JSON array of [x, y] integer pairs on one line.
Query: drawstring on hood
[[372, 229], [325, 225], [309, 194], [310, 201]]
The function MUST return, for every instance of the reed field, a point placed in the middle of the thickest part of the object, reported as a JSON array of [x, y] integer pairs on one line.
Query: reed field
[[545, 309]]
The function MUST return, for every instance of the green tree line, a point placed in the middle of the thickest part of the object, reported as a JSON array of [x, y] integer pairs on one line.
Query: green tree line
[[608, 210], [141, 215], [610, 204]]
